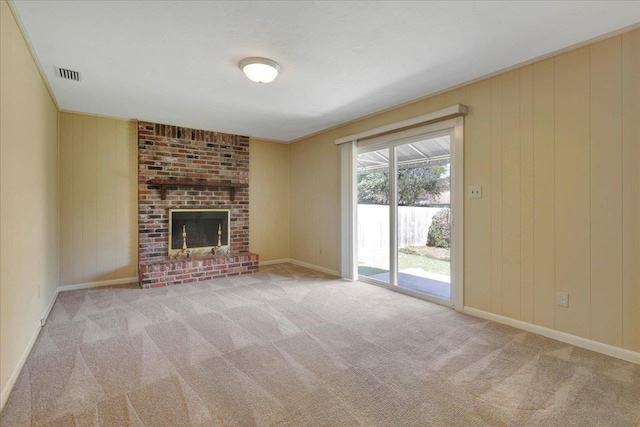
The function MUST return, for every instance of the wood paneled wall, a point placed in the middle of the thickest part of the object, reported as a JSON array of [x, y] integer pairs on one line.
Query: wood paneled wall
[[631, 190], [556, 147], [98, 198], [557, 176], [269, 194], [28, 200]]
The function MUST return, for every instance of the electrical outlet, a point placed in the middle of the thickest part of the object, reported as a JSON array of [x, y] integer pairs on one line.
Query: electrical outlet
[[320, 251], [475, 192], [563, 299]]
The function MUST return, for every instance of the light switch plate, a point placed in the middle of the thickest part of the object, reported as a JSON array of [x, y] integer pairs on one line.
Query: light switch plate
[[475, 192]]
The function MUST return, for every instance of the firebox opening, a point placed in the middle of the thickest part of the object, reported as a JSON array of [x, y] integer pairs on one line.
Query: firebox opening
[[200, 230]]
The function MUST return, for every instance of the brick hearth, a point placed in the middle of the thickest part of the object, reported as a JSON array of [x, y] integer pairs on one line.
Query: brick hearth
[[173, 272], [174, 152]]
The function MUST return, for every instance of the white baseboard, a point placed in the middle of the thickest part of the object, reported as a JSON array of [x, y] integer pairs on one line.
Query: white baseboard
[[44, 318], [275, 261], [609, 350], [314, 267], [97, 284], [6, 391], [301, 264], [13, 378]]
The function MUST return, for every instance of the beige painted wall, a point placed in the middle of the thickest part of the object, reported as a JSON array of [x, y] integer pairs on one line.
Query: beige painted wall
[[269, 196], [97, 160], [98, 198], [556, 148], [98, 201], [314, 166], [28, 198]]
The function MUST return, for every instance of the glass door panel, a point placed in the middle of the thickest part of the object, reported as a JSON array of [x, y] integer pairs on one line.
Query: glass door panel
[[373, 215], [424, 216]]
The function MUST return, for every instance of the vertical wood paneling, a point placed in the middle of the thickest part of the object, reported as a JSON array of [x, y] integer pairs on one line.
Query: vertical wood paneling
[[544, 224], [511, 194], [127, 174], [631, 190], [477, 257], [28, 202], [106, 191], [606, 191], [557, 154], [89, 198], [98, 199], [573, 188], [526, 194], [121, 176], [102, 196], [77, 212], [496, 195], [65, 206]]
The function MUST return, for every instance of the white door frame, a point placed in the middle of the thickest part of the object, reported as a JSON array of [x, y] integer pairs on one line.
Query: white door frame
[[349, 258]]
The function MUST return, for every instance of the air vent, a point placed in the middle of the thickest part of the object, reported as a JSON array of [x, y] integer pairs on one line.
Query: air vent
[[68, 74]]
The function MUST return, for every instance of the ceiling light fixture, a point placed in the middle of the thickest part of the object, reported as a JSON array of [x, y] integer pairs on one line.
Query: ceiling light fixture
[[259, 70]]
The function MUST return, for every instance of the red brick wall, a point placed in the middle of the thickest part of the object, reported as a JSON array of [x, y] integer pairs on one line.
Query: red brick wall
[[169, 151]]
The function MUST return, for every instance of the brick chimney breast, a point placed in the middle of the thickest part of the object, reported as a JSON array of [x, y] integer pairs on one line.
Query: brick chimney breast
[[172, 152]]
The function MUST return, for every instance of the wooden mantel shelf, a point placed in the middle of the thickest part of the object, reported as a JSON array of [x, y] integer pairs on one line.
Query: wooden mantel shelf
[[192, 182]]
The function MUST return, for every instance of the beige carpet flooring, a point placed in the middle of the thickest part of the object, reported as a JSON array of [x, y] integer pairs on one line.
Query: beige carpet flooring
[[291, 347]]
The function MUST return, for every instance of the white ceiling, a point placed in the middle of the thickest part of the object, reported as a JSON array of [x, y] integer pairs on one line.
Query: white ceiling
[[176, 61]]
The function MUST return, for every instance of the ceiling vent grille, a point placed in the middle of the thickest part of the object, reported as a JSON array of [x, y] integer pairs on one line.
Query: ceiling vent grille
[[68, 74]]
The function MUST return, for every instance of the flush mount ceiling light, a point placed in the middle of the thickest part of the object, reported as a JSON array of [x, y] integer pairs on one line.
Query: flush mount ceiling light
[[259, 70]]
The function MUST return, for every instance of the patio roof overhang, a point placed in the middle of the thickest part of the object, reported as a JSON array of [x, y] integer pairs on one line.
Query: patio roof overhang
[[422, 153]]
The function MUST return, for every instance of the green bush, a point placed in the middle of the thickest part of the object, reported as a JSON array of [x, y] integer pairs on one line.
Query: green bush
[[440, 230]]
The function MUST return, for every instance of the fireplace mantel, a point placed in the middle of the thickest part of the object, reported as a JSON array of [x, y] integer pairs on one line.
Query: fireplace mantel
[[193, 182]]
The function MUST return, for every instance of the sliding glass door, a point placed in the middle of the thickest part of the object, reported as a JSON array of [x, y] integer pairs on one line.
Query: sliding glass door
[[424, 216], [374, 191], [404, 217]]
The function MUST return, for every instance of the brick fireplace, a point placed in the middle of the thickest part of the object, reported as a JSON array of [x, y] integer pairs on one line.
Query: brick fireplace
[[182, 169]]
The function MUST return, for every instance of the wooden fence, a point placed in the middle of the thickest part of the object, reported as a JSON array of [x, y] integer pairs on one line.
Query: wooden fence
[[373, 226]]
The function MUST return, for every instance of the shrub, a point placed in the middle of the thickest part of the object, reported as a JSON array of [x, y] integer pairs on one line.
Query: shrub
[[440, 230]]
